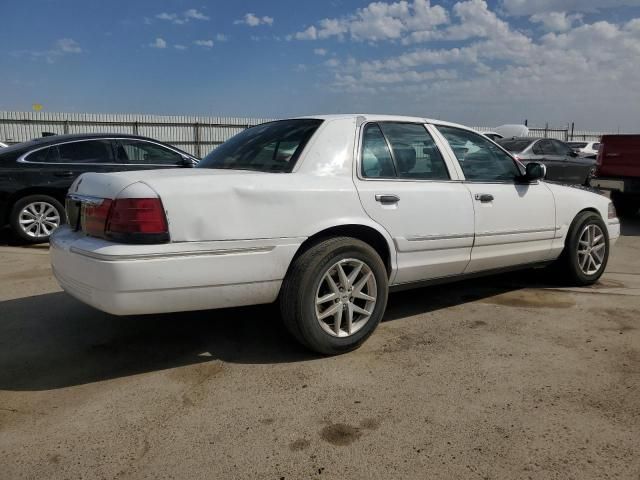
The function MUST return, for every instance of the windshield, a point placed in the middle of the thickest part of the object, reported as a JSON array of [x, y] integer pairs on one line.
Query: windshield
[[270, 147], [515, 146]]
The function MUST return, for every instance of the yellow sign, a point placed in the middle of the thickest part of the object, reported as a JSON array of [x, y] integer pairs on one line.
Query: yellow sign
[[36, 107]]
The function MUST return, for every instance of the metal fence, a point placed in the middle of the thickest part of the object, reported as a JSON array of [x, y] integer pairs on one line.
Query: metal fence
[[196, 135]]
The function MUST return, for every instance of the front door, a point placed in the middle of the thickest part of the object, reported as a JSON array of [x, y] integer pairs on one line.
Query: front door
[[405, 185], [514, 222]]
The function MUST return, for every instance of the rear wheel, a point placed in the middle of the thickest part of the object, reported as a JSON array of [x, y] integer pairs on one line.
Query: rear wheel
[[586, 250], [35, 217], [334, 295]]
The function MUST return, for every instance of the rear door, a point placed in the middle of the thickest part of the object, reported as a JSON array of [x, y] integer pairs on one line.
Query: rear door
[[514, 222], [406, 185], [59, 165]]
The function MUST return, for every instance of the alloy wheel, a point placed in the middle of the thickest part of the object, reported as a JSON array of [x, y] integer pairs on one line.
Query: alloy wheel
[[591, 249], [39, 219], [346, 297]]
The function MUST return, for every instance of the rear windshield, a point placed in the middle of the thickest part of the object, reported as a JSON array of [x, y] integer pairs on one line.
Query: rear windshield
[[515, 146], [270, 147]]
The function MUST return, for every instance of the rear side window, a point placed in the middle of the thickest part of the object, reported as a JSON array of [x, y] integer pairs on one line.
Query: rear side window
[[376, 156], [146, 153], [515, 146], [595, 146], [271, 147], [90, 151], [44, 155], [480, 159], [544, 147], [577, 144], [402, 150]]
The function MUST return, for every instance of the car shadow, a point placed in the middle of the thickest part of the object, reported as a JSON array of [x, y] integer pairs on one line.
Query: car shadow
[[53, 341]]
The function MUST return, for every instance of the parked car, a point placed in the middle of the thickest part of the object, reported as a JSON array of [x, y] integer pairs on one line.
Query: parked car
[[585, 149], [563, 164], [35, 175], [325, 214], [618, 170]]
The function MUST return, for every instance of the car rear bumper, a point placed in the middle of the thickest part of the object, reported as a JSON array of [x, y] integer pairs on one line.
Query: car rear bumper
[[142, 279]]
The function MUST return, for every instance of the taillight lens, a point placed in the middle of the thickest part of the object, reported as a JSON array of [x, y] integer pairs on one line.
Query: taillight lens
[[137, 220]]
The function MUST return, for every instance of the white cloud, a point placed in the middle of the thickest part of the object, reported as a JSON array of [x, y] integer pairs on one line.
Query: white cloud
[[320, 51], [194, 14], [177, 46], [529, 7], [556, 21], [253, 20], [61, 48], [499, 74], [204, 43], [221, 37], [158, 43], [380, 21], [180, 18], [67, 45]]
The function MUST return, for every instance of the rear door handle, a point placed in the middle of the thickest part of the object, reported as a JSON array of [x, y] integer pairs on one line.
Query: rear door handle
[[387, 198], [484, 197], [63, 174]]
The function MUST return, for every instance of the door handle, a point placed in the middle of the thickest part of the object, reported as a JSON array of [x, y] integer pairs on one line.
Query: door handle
[[387, 198], [484, 197], [63, 174]]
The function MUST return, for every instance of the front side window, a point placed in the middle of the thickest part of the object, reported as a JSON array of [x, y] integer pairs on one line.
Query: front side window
[[480, 159], [271, 147], [145, 153], [90, 151], [402, 150]]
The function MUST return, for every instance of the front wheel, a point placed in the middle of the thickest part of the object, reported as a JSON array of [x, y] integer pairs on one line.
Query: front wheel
[[586, 250], [334, 295]]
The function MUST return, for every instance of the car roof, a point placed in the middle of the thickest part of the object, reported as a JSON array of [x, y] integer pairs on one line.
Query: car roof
[[376, 117], [55, 139]]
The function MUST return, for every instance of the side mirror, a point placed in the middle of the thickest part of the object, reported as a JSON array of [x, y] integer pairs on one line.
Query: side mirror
[[188, 162], [535, 171]]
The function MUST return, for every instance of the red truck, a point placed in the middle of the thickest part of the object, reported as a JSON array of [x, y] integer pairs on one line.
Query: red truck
[[618, 170]]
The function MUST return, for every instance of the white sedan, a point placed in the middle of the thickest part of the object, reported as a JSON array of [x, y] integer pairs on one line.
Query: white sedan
[[324, 214]]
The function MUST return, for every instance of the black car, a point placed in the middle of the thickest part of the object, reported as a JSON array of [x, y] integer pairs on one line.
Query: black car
[[35, 175], [562, 162]]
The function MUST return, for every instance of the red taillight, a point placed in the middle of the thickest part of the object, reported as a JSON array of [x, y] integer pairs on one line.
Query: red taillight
[[137, 220]]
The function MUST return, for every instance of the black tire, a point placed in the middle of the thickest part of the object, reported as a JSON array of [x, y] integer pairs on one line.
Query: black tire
[[626, 205], [298, 294], [568, 262], [14, 216]]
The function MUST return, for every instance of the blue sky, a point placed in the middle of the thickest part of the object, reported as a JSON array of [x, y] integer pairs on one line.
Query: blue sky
[[469, 61]]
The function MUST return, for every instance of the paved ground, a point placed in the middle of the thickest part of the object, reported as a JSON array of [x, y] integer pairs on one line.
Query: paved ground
[[508, 377]]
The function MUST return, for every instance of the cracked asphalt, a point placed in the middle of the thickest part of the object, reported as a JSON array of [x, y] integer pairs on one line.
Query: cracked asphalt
[[504, 377]]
